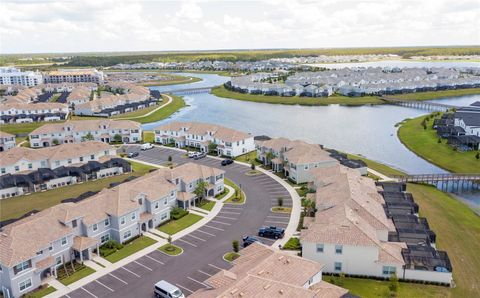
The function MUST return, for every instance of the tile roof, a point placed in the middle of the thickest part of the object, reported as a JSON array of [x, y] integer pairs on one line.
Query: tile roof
[[85, 125], [198, 128]]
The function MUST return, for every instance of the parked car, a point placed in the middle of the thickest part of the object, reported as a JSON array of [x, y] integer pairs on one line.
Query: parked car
[[200, 155], [146, 146], [165, 289], [247, 240], [192, 154], [227, 162], [132, 154], [271, 232]]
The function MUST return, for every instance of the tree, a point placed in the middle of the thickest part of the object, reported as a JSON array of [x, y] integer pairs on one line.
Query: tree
[[477, 156], [117, 138], [200, 190], [393, 286], [235, 245], [55, 142], [269, 156], [169, 239], [87, 137], [212, 147], [280, 201], [308, 207], [170, 158]]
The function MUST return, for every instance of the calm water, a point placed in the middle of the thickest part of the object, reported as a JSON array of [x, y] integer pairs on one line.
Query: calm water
[[366, 130]]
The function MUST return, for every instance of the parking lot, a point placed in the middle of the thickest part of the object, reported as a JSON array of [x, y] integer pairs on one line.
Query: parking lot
[[203, 248]]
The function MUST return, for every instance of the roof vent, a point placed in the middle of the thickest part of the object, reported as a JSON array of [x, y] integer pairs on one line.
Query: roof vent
[[280, 292], [233, 291], [280, 258], [265, 287], [261, 272]]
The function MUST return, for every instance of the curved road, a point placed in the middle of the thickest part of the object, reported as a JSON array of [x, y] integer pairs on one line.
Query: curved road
[[203, 248]]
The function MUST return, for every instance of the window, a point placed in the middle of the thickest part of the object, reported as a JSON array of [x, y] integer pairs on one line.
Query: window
[[50, 248], [339, 249], [105, 238], [74, 223], [319, 247], [388, 270], [338, 266], [156, 205], [122, 220], [59, 260], [30, 166], [21, 267], [164, 216], [64, 241], [134, 216], [107, 222], [140, 201], [69, 161], [165, 201], [95, 227], [3, 171], [127, 234], [92, 157], [81, 158], [39, 253], [25, 284], [17, 169], [57, 162]]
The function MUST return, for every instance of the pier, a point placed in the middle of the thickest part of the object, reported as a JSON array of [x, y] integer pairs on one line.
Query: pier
[[418, 104], [453, 181]]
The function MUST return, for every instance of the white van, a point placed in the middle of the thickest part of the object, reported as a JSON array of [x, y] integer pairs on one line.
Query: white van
[[165, 289], [146, 146]]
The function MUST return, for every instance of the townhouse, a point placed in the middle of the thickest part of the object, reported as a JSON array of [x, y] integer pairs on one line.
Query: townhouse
[[79, 95], [27, 112], [204, 136], [353, 233], [7, 141], [74, 76], [14, 76], [104, 130], [262, 271], [293, 158], [25, 170], [34, 247]]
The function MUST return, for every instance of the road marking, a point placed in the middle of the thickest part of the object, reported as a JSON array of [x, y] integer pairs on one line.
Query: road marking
[[130, 271], [67, 296], [184, 288], [232, 208], [192, 279], [88, 292], [104, 286], [118, 278], [274, 216], [148, 268], [211, 265], [222, 223], [205, 232], [277, 222], [196, 237], [187, 242], [229, 212], [213, 228], [226, 217], [204, 273], [155, 260]]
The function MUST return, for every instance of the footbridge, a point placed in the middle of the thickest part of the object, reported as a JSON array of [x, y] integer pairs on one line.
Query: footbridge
[[455, 181], [189, 91], [418, 104]]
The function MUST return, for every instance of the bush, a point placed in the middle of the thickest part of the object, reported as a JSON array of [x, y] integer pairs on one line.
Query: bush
[[477, 156], [110, 247], [178, 213], [252, 166], [235, 245], [293, 244]]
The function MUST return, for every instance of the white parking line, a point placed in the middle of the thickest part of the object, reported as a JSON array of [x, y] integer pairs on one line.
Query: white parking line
[[148, 268], [187, 242], [184, 288], [108, 288], [226, 217], [198, 238], [67, 296], [121, 280], [155, 260], [213, 228], [216, 267], [88, 292], [277, 222], [204, 273], [222, 223], [130, 271], [273, 216], [229, 212], [210, 234], [192, 279], [232, 208]]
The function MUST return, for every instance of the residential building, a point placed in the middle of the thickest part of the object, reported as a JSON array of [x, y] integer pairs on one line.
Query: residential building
[[24, 170], [353, 233], [7, 141], [74, 76], [294, 158], [27, 112], [226, 141], [34, 247], [14, 76], [262, 271], [104, 130]]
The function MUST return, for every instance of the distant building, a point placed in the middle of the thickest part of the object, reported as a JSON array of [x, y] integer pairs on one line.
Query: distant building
[[28, 112], [74, 76], [14, 76]]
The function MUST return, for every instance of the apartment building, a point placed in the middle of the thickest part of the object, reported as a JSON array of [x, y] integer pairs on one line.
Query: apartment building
[[294, 158], [352, 233], [25, 170], [78, 96], [226, 141], [74, 76], [14, 76], [262, 271], [34, 247], [27, 112], [104, 130], [7, 141]]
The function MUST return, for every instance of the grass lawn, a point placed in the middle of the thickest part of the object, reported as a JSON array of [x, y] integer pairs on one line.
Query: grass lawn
[[130, 248], [436, 94], [148, 136], [230, 256], [171, 249], [220, 91], [379, 167], [293, 244], [424, 142], [278, 209], [208, 205], [18, 206], [458, 232], [80, 272], [234, 199], [40, 292], [137, 113], [249, 158], [174, 81], [20, 128], [223, 194], [175, 226]]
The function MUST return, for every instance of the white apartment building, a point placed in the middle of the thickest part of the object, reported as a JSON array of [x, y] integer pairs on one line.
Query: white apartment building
[[28, 112], [228, 142], [7, 141], [104, 130], [14, 76], [74, 76]]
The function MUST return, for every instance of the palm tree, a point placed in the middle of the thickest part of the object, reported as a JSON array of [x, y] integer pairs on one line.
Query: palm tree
[[200, 190]]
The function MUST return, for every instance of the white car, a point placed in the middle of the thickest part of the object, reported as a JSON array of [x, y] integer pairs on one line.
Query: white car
[[192, 154], [146, 146], [165, 289]]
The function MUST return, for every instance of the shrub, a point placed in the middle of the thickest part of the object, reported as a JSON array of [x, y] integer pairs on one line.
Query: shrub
[[292, 244], [280, 201], [170, 158], [235, 245], [252, 166], [178, 213], [477, 156]]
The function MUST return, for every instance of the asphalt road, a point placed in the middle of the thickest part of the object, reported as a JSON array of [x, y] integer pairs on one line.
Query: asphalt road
[[203, 248]]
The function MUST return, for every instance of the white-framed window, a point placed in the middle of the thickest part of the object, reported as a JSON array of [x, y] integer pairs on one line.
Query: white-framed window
[[26, 284], [64, 241], [59, 260], [127, 234], [50, 248], [95, 227], [156, 205], [104, 238], [338, 266], [338, 249], [3, 171], [122, 220], [388, 270], [319, 247], [164, 216], [107, 222], [134, 216], [21, 267], [165, 201]]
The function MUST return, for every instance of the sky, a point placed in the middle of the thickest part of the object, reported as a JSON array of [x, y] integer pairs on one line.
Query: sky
[[44, 26]]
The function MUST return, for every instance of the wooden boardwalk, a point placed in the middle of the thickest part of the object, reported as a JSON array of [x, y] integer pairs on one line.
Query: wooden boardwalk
[[190, 91], [458, 180], [418, 104]]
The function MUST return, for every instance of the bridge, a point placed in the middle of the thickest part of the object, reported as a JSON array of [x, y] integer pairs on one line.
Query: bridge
[[190, 91], [456, 181], [418, 104]]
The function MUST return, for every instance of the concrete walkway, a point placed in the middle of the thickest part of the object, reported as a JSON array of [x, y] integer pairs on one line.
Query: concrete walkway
[[170, 99], [378, 174]]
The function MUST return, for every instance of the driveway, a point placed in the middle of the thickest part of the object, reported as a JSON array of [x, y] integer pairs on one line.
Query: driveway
[[203, 248]]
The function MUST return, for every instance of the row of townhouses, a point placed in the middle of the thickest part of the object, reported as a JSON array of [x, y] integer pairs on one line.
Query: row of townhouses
[[71, 131], [25, 170], [7, 141], [34, 247], [227, 141], [363, 229], [27, 112], [14, 76], [262, 271]]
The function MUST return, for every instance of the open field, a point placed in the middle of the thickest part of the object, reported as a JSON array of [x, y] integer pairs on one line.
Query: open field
[[220, 91], [18, 206], [435, 94], [424, 143]]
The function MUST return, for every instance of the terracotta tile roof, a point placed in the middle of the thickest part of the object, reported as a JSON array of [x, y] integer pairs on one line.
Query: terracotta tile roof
[[198, 128], [85, 125], [47, 262], [5, 135], [82, 243], [192, 171]]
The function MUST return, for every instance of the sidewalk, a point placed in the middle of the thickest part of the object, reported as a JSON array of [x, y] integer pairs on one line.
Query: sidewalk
[[378, 174], [149, 113]]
